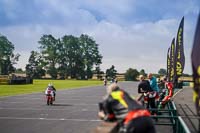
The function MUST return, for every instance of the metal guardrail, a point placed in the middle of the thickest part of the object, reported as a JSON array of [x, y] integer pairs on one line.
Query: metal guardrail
[[181, 126], [175, 121]]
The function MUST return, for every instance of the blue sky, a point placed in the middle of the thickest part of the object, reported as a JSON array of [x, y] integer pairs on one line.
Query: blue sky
[[130, 33]]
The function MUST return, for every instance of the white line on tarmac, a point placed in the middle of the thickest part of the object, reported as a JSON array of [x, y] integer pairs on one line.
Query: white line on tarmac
[[29, 109], [30, 98], [84, 104], [11, 102], [50, 108], [176, 93], [55, 104], [48, 119], [44, 98]]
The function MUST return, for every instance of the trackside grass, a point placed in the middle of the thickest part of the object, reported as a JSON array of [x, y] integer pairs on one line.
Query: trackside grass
[[40, 85]]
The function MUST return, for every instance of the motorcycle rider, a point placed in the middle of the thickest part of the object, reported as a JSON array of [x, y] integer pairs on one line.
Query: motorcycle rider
[[167, 93], [116, 80], [51, 88], [130, 115], [105, 81], [112, 80]]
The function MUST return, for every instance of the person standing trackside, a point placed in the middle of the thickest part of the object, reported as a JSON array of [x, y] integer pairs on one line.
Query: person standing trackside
[[153, 82], [154, 86], [144, 85], [145, 88]]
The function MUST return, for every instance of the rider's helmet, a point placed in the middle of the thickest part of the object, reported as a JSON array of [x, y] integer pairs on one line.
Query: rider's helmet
[[50, 85]]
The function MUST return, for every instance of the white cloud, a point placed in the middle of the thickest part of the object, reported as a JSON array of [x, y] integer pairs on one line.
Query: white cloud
[[141, 45], [122, 43]]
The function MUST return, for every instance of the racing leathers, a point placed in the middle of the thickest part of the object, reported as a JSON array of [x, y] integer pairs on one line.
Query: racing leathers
[[52, 91], [131, 116], [168, 93]]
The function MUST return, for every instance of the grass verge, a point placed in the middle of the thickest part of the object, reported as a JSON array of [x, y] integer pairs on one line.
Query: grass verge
[[40, 86]]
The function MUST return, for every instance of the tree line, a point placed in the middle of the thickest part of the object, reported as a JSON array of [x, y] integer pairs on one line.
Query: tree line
[[68, 56], [77, 57]]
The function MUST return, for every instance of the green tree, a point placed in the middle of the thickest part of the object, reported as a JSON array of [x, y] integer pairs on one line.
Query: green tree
[[70, 56], [162, 71], [19, 70], [7, 57], [111, 72], [79, 56], [49, 47], [186, 75], [34, 68], [142, 72], [98, 72], [90, 54], [131, 74]]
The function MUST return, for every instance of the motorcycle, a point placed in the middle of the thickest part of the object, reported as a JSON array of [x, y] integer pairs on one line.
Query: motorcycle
[[49, 97], [148, 99]]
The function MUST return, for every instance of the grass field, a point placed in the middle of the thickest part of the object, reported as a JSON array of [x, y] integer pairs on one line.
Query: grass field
[[40, 85]]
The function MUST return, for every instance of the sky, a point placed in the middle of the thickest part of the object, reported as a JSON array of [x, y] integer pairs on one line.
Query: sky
[[130, 33]]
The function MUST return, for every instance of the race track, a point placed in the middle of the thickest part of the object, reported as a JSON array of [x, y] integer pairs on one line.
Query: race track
[[74, 111]]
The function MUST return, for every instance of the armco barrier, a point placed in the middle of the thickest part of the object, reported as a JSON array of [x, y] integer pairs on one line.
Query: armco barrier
[[170, 114], [181, 126]]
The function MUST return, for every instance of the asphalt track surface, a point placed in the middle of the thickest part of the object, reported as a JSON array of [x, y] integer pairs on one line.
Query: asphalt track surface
[[74, 111], [186, 108]]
